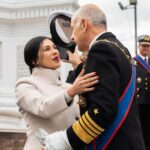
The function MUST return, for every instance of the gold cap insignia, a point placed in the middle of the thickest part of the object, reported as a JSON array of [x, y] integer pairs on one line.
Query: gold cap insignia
[[146, 38]]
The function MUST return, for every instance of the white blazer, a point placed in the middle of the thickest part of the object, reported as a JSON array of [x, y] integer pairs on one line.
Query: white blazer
[[41, 99]]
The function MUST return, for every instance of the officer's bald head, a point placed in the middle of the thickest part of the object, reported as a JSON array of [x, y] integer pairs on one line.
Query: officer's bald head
[[92, 13]]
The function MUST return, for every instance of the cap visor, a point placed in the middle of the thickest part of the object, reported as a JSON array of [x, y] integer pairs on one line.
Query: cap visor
[[56, 13], [144, 43]]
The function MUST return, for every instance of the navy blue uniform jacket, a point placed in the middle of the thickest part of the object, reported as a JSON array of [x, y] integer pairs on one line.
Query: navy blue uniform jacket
[[111, 60]]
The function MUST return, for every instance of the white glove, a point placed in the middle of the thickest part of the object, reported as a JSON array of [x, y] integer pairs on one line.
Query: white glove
[[55, 141]]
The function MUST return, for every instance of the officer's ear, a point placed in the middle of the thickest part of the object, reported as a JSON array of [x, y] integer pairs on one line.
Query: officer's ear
[[84, 25]]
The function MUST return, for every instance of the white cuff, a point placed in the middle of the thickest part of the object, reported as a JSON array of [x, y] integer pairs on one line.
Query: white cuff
[[67, 97]]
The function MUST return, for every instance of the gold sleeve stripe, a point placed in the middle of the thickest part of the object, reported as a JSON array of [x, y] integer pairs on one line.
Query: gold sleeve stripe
[[81, 133], [90, 126], [93, 123], [87, 129]]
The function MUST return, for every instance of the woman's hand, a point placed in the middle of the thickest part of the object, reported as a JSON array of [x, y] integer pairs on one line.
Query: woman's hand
[[83, 83], [74, 58]]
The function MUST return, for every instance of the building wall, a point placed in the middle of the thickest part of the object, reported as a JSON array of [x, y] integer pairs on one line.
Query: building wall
[[12, 141]]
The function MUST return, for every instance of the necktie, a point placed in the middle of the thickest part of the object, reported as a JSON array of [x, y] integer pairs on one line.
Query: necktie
[[145, 59]]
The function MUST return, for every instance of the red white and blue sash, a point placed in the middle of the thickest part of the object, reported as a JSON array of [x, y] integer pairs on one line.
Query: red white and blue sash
[[142, 62], [125, 101]]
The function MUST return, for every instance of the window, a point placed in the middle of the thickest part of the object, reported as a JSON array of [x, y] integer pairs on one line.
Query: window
[[22, 68]]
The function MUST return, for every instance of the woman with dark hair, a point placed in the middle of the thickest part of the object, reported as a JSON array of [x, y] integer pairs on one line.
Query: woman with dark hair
[[44, 100]]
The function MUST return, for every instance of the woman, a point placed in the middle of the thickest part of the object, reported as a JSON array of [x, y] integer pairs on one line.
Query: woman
[[43, 99]]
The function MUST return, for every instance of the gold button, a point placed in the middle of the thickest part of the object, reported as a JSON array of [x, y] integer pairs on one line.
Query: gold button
[[139, 80], [146, 79], [146, 83], [82, 101], [138, 96], [137, 89], [146, 88]]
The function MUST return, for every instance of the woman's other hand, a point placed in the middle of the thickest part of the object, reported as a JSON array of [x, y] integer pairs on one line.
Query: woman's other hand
[[74, 58]]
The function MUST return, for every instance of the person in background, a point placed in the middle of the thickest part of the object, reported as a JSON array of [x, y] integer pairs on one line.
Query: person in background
[[143, 85], [109, 114], [149, 54], [44, 100]]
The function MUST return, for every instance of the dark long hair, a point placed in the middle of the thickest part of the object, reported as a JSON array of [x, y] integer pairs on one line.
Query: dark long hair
[[31, 51]]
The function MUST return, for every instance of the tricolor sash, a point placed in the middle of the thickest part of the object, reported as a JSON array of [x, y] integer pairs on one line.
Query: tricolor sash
[[125, 101], [142, 62]]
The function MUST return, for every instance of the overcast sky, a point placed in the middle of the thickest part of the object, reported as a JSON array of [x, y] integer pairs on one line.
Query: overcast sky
[[121, 22]]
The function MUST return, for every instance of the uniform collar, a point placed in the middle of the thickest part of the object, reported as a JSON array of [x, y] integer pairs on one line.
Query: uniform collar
[[143, 57], [49, 75], [96, 39]]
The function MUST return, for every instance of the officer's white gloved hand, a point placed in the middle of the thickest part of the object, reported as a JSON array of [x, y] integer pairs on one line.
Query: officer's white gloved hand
[[55, 141]]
